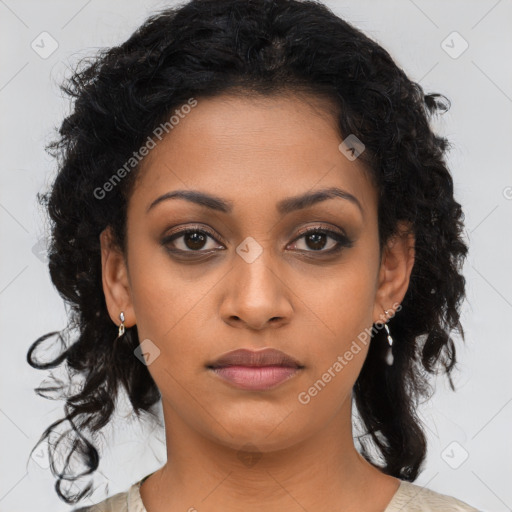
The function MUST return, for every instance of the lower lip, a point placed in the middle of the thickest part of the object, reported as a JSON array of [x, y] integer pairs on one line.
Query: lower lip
[[256, 378]]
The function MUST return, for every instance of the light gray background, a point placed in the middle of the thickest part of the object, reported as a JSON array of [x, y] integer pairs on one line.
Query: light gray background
[[477, 418]]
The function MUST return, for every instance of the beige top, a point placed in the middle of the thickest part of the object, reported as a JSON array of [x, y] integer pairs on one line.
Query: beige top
[[409, 497]]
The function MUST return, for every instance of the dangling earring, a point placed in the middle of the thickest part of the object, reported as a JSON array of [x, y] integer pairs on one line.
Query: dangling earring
[[121, 325], [389, 354]]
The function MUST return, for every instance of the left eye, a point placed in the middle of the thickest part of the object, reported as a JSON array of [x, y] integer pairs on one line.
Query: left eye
[[316, 239]]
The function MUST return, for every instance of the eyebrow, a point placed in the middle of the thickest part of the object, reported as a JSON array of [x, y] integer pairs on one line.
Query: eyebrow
[[284, 206]]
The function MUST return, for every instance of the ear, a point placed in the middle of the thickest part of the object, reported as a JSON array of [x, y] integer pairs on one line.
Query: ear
[[116, 284], [395, 271]]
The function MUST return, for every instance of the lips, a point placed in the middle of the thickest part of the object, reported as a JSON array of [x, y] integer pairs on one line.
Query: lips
[[250, 358], [248, 370]]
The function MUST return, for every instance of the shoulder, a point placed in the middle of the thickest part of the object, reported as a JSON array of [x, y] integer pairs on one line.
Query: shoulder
[[414, 498], [116, 503], [126, 501]]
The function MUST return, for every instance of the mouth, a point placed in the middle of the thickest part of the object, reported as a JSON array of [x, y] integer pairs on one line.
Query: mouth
[[255, 370]]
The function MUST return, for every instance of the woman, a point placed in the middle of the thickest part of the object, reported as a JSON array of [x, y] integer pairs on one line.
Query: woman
[[253, 222]]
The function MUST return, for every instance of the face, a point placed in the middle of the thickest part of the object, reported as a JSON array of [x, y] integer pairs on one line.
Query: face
[[236, 270]]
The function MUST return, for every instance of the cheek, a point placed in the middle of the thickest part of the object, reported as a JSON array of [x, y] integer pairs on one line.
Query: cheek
[[342, 300], [160, 294], [341, 308], [346, 307], [169, 308]]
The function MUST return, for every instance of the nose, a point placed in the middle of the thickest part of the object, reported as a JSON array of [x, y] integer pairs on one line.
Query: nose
[[256, 296]]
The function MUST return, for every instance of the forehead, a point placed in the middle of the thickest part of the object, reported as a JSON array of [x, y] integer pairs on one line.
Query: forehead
[[253, 149]]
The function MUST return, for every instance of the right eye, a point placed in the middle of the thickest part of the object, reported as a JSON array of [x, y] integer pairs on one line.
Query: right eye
[[189, 240]]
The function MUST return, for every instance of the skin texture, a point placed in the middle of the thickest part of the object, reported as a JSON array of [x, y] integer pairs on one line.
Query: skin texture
[[255, 152]]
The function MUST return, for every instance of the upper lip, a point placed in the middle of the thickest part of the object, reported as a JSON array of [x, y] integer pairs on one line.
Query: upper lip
[[246, 357]]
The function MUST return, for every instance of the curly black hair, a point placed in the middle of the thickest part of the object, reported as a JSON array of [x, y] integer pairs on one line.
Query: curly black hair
[[200, 49]]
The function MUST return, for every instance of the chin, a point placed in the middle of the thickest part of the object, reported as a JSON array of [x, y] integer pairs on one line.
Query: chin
[[258, 443], [261, 432]]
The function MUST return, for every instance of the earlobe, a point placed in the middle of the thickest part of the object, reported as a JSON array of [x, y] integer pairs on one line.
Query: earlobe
[[395, 271], [116, 286]]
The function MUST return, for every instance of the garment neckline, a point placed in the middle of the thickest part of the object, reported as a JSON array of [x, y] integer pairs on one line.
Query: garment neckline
[[396, 496], [135, 503]]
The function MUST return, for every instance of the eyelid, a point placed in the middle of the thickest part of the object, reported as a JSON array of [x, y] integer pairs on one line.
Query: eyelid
[[318, 227], [199, 228], [301, 231]]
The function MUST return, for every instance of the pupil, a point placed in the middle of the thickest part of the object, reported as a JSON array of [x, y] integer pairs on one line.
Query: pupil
[[194, 240], [317, 238]]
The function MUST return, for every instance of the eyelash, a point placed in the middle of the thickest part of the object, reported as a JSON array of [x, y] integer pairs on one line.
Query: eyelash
[[342, 240]]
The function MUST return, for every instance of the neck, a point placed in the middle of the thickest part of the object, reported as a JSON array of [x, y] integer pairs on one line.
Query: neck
[[321, 472]]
